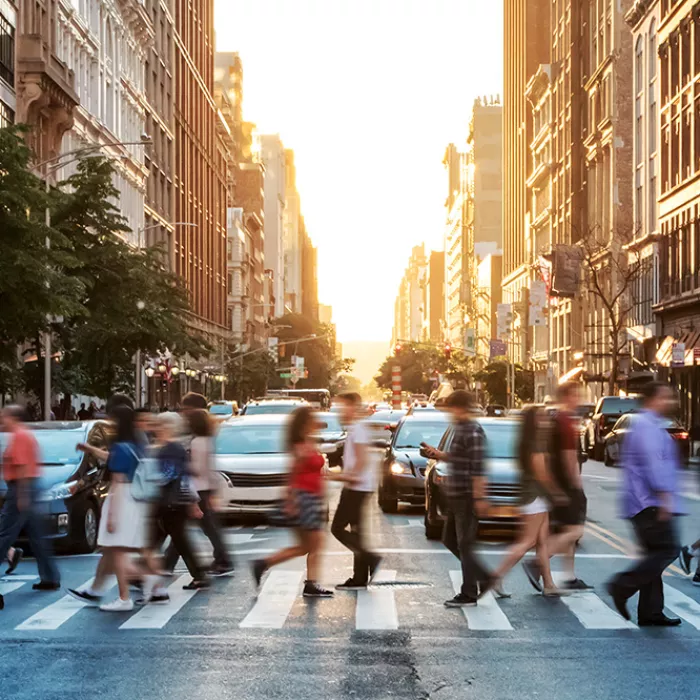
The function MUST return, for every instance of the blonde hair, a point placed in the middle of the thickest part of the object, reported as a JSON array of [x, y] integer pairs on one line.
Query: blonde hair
[[170, 421]]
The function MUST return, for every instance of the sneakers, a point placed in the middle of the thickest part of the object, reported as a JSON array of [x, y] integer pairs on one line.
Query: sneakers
[[217, 570], [196, 585], [118, 605], [46, 586], [159, 595], [685, 558], [576, 584], [85, 596], [258, 568], [313, 590], [15, 560], [534, 574], [351, 585], [461, 601], [696, 579]]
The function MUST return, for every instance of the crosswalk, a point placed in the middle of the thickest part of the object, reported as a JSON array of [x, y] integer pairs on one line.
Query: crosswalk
[[388, 605]]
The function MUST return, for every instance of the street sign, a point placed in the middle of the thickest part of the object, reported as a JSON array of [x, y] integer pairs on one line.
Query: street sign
[[470, 342], [497, 348], [678, 355], [504, 320], [537, 303], [286, 375]]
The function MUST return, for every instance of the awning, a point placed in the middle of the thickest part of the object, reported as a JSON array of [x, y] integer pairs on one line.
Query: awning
[[691, 340], [570, 375]]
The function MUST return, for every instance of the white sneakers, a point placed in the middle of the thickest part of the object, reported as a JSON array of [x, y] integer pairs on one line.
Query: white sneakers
[[118, 605]]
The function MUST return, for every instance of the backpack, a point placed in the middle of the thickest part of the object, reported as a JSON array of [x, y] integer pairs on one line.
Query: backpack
[[148, 481]]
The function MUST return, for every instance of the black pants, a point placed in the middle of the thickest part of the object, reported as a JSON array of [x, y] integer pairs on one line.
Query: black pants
[[210, 527], [459, 536], [349, 514], [173, 522], [660, 544]]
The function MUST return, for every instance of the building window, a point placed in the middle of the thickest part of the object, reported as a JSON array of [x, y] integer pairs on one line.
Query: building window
[[7, 44], [7, 116], [639, 66]]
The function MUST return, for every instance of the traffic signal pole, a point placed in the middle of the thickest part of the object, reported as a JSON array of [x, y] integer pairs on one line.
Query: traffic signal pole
[[396, 386]]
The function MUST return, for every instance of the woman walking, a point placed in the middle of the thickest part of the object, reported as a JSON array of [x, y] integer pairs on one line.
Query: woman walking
[[124, 521], [537, 489], [304, 503]]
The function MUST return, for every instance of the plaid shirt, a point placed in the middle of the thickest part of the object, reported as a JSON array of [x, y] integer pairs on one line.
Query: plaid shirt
[[466, 458]]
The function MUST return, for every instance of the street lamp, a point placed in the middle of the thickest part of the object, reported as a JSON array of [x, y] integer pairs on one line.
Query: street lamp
[[162, 368], [44, 165], [150, 372]]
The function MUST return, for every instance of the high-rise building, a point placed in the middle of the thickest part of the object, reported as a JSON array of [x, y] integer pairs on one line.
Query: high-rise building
[[45, 85], [436, 296], [309, 275], [200, 169], [105, 45], [8, 30], [487, 297], [292, 238], [411, 306], [273, 157]]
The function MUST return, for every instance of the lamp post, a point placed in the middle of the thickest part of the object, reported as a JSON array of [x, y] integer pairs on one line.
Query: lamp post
[[44, 165]]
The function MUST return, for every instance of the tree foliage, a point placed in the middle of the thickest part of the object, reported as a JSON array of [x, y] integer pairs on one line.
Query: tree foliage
[[249, 374], [493, 380]]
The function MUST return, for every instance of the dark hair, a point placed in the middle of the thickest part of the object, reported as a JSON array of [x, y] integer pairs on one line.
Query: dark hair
[[528, 436], [652, 389], [300, 419], [566, 389], [193, 400], [143, 409], [199, 423], [123, 417], [115, 401], [460, 399], [17, 411], [352, 397]]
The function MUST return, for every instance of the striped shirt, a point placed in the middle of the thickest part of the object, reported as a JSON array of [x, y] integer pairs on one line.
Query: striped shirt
[[466, 458]]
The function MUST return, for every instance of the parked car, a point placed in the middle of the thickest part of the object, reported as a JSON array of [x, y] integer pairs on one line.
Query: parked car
[[495, 410], [606, 413], [403, 466], [383, 423], [73, 484], [503, 475], [415, 408], [614, 439], [265, 406], [222, 410], [332, 437]]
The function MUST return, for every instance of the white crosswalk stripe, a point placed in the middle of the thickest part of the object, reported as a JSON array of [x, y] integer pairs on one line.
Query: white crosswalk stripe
[[53, 616], [157, 615], [682, 605], [487, 615], [376, 607], [275, 600], [9, 586]]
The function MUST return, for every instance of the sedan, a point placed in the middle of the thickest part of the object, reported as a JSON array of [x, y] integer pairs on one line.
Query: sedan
[[382, 424], [614, 439], [332, 437], [404, 467], [73, 484], [503, 478]]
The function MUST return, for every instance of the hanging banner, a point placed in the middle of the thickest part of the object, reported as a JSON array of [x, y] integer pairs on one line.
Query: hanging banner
[[566, 270], [537, 303], [470, 342], [504, 320]]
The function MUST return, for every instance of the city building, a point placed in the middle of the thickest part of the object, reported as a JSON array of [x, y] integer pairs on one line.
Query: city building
[[105, 45], [411, 306], [8, 30], [292, 237], [201, 195], [44, 84], [487, 297], [239, 244], [273, 155], [678, 308], [309, 275], [436, 297]]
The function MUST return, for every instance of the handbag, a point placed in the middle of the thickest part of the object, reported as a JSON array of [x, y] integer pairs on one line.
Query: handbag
[[147, 484]]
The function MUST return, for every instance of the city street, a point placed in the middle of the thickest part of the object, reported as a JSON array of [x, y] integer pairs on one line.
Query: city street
[[395, 641]]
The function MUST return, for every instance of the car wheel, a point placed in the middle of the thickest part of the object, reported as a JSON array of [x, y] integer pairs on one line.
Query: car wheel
[[432, 532], [598, 452], [87, 529], [389, 505], [607, 459]]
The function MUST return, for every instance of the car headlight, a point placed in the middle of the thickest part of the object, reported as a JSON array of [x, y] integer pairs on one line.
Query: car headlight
[[398, 468], [60, 491]]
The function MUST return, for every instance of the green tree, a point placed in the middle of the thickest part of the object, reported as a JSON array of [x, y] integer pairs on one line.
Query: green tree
[[493, 379], [248, 374]]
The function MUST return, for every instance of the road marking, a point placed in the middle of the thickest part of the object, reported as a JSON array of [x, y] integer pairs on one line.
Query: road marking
[[7, 587], [275, 600], [14, 577], [481, 552], [376, 608], [260, 527], [53, 616], [691, 497], [487, 615], [157, 615], [681, 604], [591, 611], [238, 539]]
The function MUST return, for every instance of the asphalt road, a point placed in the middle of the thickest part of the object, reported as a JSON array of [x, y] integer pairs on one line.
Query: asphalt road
[[396, 641]]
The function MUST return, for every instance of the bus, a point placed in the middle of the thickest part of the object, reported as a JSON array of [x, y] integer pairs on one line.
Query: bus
[[318, 398]]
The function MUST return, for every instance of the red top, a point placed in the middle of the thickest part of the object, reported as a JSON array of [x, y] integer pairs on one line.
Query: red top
[[21, 459], [568, 435], [306, 475]]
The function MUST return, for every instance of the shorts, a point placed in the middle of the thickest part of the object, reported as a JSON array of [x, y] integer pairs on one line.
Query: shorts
[[539, 505], [311, 510], [574, 512]]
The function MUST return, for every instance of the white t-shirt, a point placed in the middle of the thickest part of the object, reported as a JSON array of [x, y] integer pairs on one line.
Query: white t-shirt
[[359, 435], [201, 464]]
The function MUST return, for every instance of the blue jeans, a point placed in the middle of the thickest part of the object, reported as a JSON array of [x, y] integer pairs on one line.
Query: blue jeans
[[12, 521]]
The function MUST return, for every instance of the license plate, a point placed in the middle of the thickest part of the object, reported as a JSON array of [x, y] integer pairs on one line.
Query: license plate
[[503, 512]]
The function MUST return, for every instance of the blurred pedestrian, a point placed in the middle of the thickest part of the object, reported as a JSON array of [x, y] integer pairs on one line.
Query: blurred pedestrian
[[569, 514], [688, 552], [466, 489], [650, 500], [20, 470], [124, 520], [360, 477], [304, 503], [83, 413], [537, 491], [201, 467]]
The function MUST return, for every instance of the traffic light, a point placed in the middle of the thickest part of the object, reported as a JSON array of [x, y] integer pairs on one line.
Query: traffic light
[[397, 349], [448, 351]]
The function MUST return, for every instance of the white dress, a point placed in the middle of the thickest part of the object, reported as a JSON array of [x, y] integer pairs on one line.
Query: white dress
[[132, 520]]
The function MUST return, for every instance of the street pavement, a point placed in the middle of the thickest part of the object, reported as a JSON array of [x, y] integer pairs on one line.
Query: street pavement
[[394, 641]]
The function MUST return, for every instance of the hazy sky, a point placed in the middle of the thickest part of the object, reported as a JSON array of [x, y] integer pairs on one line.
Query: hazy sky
[[368, 93]]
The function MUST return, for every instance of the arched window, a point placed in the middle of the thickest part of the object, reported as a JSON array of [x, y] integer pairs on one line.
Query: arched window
[[639, 65], [653, 58]]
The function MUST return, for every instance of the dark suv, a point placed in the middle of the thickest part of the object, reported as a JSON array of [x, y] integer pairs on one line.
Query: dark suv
[[606, 413]]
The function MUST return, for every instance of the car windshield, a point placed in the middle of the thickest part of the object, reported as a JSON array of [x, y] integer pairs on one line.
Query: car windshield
[[412, 433], [268, 407], [250, 440], [386, 416], [501, 440], [221, 410], [619, 404], [58, 446], [332, 423]]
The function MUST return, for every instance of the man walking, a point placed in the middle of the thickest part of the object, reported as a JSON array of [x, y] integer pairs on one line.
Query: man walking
[[466, 490], [21, 473], [650, 464], [360, 475]]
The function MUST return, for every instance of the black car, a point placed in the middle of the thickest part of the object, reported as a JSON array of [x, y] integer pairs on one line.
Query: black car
[[606, 413], [73, 484], [403, 466], [613, 440], [382, 424], [332, 437]]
